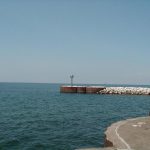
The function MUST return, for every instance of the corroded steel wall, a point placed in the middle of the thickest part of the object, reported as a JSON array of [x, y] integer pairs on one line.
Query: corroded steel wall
[[92, 90], [68, 89], [81, 89]]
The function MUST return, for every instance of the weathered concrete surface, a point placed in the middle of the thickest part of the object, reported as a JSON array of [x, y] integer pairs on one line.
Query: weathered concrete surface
[[108, 148], [131, 134]]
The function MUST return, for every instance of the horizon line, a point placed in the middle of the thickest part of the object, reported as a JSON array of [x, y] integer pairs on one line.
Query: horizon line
[[19, 82]]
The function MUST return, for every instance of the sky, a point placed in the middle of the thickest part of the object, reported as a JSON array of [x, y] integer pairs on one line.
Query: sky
[[98, 41]]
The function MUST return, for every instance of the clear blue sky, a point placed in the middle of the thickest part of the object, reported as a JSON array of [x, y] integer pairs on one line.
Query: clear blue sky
[[99, 41]]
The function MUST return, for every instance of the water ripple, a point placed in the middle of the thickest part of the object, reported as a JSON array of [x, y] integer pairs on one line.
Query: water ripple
[[38, 117]]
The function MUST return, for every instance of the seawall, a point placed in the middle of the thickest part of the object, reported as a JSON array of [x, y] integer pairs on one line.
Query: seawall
[[130, 134], [81, 89], [105, 90], [126, 91]]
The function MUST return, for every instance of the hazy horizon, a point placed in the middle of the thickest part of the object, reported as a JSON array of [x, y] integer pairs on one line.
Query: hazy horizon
[[68, 83], [100, 42]]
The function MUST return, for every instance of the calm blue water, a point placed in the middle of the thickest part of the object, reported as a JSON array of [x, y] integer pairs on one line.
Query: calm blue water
[[38, 117]]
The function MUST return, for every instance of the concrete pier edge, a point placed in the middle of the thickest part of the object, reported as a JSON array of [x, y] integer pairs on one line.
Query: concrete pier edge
[[129, 134]]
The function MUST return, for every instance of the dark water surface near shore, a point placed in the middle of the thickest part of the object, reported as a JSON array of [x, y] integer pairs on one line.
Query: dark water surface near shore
[[38, 117]]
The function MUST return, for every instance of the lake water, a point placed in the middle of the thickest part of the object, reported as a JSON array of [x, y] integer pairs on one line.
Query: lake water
[[39, 117]]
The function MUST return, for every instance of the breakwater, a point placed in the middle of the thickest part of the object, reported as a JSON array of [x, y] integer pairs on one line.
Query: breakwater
[[106, 90], [81, 89], [125, 90]]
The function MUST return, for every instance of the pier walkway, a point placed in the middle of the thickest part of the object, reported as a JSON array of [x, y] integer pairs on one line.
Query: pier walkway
[[130, 134], [108, 148]]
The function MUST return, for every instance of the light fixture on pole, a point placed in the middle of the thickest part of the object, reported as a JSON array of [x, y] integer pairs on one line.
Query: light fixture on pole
[[71, 77]]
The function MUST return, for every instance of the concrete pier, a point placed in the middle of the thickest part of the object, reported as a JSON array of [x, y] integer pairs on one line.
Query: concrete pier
[[94, 89], [108, 148], [105, 90], [68, 89], [130, 134], [81, 89]]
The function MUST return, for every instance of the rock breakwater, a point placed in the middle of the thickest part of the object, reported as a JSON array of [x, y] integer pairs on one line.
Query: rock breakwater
[[126, 90]]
